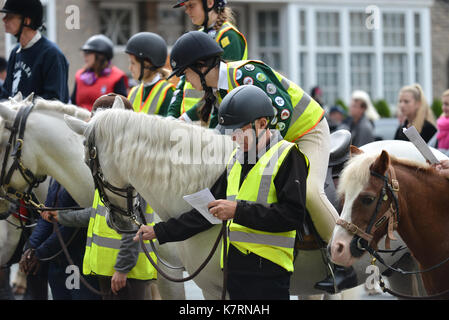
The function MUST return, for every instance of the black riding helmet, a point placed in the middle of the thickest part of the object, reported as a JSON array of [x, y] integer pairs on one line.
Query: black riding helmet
[[101, 44], [191, 48], [27, 9], [243, 105], [147, 46], [218, 4]]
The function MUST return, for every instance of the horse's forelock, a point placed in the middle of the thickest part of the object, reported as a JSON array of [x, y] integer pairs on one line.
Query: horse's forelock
[[356, 174]]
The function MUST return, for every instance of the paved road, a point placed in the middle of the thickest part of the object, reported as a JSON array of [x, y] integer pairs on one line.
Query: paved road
[[194, 293]]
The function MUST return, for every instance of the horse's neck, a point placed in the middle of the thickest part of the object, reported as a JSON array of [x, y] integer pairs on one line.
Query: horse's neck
[[423, 214], [58, 153]]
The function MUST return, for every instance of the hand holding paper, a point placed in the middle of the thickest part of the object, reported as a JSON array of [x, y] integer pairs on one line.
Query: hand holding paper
[[200, 201]]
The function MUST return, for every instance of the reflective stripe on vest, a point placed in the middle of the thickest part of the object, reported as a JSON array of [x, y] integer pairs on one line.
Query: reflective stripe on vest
[[307, 113], [192, 96], [154, 100], [258, 187], [103, 246]]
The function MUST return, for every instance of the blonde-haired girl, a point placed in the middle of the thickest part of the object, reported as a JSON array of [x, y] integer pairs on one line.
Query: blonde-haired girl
[[413, 106]]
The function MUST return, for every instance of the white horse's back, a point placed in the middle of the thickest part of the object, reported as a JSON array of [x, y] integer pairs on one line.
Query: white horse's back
[[401, 149]]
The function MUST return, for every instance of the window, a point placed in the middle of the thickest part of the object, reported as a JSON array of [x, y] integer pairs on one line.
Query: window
[[328, 26], [328, 73], [362, 72], [419, 68], [302, 28], [395, 75], [360, 34], [118, 21], [394, 29], [303, 70], [269, 38], [417, 25]]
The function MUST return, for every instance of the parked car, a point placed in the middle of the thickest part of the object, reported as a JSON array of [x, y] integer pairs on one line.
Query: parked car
[[385, 128]]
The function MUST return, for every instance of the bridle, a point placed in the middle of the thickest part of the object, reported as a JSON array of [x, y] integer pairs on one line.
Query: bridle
[[361, 240], [14, 149], [101, 184]]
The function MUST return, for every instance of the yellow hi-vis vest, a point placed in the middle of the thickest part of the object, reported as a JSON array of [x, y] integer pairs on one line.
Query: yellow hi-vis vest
[[192, 96], [258, 187], [154, 100], [306, 113], [103, 246]]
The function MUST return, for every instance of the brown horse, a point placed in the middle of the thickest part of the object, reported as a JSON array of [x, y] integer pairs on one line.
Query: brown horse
[[382, 193]]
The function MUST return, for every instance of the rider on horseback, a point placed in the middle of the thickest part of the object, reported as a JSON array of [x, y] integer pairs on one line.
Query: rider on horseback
[[298, 117], [264, 201]]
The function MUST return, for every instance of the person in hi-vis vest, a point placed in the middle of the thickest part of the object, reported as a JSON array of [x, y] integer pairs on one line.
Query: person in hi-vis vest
[[147, 54], [262, 195], [216, 19], [122, 269], [298, 117]]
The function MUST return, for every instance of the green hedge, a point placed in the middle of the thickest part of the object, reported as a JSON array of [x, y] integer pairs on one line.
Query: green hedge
[[437, 107], [382, 108]]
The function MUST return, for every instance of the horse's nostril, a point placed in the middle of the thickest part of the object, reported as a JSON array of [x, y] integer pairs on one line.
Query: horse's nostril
[[340, 247]]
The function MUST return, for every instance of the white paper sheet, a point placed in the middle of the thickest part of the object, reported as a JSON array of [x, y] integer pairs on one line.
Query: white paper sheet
[[199, 201], [414, 137]]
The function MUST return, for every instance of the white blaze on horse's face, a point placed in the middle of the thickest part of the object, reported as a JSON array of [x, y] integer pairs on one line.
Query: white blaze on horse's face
[[341, 238]]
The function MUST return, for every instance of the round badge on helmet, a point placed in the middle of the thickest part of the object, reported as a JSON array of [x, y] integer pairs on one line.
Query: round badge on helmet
[[221, 120], [173, 64], [285, 114], [261, 77], [271, 88], [280, 126], [250, 67], [279, 101], [248, 81], [238, 74]]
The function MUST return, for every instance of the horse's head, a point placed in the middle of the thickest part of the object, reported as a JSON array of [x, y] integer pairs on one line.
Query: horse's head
[[12, 166], [116, 192], [369, 188]]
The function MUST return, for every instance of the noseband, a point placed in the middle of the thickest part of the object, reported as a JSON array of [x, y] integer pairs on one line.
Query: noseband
[[101, 184], [361, 240]]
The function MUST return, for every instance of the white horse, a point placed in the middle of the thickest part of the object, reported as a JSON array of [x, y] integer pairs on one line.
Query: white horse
[[166, 159], [51, 148]]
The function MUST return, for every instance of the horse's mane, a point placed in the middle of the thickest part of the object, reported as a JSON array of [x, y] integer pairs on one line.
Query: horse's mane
[[58, 106], [143, 146], [356, 173]]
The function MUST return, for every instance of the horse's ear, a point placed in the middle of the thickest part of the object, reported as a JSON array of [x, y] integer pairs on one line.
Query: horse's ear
[[29, 98], [382, 163], [77, 125], [18, 97], [118, 103], [7, 113], [355, 151]]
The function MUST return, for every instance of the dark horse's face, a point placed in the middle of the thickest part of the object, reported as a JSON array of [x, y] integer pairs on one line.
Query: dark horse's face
[[366, 199]]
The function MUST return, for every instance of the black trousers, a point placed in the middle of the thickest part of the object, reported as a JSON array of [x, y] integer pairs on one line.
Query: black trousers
[[251, 277]]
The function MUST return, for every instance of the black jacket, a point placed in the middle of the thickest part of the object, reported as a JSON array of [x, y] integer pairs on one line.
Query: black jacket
[[288, 214], [427, 132]]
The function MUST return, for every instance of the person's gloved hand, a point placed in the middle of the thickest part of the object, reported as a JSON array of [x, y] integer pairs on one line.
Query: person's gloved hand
[[29, 263]]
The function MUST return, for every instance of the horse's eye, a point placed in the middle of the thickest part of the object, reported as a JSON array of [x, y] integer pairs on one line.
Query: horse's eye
[[367, 200]]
